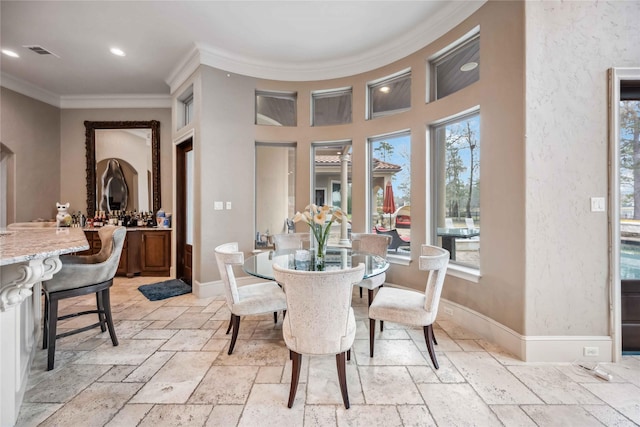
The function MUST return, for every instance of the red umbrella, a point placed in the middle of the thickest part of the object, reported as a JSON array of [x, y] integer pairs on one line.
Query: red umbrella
[[388, 204]]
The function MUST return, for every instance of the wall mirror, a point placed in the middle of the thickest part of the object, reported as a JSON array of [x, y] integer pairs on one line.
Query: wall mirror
[[123, 166]]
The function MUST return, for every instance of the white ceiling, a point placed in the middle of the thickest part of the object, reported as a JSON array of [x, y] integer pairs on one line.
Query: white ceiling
[[288, 40]]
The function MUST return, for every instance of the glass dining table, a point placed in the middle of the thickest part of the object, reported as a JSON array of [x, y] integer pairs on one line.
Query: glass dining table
[[261, 264]]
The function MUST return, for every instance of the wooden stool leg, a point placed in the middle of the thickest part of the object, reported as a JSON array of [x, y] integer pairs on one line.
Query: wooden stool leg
[[295, 376], [51, 339], [106, 301], [100, 306], [45, 322]]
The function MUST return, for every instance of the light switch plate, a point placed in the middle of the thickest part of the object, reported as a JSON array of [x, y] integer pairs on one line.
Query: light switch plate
[[597, 204], [228, 205], [217, 206]]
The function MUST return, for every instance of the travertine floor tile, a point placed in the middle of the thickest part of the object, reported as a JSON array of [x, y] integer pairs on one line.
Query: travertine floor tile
[[177, 379], [625, 398], [457, 405], [225, 385], [176, 415], [176, 371], [94, 406], [489, 378], [560, 415], [267, 406], [378, 380]]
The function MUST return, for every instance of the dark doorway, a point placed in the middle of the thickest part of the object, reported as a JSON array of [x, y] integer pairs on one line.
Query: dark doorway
[[184, 210]]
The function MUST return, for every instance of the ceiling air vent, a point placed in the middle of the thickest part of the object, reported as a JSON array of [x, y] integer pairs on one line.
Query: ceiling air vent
[[40, 50]]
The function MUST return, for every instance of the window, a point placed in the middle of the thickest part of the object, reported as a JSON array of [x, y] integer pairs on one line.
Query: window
[[331, 107], [390, 95], [185, 108], [390, 189], [332, 183], [456, 69], [275, 189], [276, 108], [457, 188]]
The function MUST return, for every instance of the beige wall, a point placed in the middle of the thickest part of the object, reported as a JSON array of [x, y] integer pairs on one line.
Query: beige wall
[[73, 186], [225, 148], [31, 130], [570, 47]]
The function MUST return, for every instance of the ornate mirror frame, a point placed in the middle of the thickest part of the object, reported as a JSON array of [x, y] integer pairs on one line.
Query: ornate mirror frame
[[90, 144]]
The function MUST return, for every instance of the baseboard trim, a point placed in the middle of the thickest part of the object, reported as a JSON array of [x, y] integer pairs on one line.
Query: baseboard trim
[[545, 348]]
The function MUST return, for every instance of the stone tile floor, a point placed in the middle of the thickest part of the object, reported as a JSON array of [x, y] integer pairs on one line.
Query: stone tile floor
[[171, 369]]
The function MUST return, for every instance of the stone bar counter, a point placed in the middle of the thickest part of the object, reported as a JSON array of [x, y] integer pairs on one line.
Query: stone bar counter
[[27, 257]]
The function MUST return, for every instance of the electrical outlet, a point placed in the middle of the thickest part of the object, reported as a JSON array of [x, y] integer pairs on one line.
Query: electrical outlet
[[591, 351], [228, 205], [448, 310]]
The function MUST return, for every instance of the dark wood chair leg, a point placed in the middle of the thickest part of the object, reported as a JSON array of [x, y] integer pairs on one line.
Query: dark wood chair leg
[[434, 336], [106, 301], [51, 339], [349, 354], [45, 322], [381, 325], [372, 335], [275, 317], [428, 337], [295, 376], [342, 377], [284, 314], [361, 294], [230, 324], [100, 307], [234, 335]]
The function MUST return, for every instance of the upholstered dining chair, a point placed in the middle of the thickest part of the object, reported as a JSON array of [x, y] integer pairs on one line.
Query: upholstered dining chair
[[291, 241], [319, 318], [412, 307], [376, 244], [83, 275], [253, 299]]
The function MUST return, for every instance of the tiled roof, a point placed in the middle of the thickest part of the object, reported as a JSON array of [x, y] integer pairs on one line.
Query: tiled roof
[[378, 164]]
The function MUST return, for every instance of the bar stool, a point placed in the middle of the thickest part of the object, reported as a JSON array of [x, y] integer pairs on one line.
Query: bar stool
[[83, 275]]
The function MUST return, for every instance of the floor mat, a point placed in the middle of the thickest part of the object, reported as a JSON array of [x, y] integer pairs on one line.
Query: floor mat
[[164, 290]]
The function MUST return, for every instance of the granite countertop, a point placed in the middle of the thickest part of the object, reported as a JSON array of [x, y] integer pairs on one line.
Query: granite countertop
[[20, 245]]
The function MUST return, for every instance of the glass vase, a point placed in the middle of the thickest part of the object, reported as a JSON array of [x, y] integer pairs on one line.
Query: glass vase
[[320, 253]]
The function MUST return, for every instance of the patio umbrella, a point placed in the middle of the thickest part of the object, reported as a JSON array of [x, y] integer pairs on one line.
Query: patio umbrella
[[388, 204]]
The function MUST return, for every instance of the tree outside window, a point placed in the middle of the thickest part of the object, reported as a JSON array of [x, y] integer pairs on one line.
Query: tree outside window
[[457, 192]]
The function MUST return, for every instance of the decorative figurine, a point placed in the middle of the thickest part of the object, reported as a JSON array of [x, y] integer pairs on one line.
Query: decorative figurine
[[63, 219]]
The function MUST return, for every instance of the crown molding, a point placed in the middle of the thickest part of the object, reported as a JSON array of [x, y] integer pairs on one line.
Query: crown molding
[[17, 85], [417, 38], [84, 101], [115, 101], [184, 69]]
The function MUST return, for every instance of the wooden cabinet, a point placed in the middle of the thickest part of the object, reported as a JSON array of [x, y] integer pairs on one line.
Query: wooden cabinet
[[145, 252], [156, 253]]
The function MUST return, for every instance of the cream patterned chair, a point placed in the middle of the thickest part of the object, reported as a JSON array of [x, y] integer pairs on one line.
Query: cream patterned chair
[[412, 307], [319, 318], [82, 275], [291, 241], [376, 244], [254, 299]]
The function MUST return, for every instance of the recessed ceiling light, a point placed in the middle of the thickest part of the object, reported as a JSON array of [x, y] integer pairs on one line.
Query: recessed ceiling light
[[385, 89], [118, 52], [10, 53], [469, 66]]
